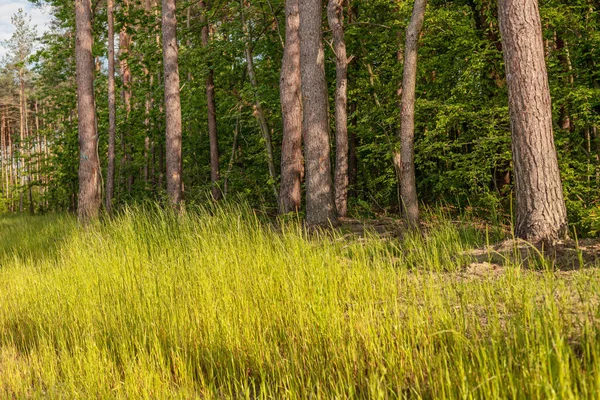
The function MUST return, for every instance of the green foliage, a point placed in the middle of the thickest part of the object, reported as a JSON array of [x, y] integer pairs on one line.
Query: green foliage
[[463, 155]]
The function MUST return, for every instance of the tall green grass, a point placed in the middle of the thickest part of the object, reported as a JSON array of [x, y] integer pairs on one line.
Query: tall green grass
[[219, 304]]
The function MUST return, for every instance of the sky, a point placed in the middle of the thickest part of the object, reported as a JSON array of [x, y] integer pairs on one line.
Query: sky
[[39, 17]]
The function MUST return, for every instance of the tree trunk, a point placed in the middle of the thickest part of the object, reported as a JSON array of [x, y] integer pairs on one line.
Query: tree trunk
[[124, 47], [320, 208], [596, 132], [172, 102], [213, 138], [236, 133], [540, 206], [408, 187], [110, 174], [148, 102], [30, 152], [3, 157], [38, 146], [22, 134], [351, 11], [125, 70], [352, 149], [30, 192], [89, 164], [9, 184], [565, 121], [335, 15], [259, 112], [290, 191]]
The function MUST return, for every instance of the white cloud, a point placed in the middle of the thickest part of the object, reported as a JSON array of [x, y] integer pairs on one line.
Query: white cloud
[[39, 17]]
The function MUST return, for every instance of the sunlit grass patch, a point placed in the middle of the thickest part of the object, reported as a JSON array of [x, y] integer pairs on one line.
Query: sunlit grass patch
[[217, 303]]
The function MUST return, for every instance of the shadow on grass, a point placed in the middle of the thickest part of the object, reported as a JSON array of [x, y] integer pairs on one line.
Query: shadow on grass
[[566, 256], [34, 237]]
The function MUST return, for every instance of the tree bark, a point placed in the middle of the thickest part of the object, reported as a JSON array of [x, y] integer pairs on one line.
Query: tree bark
[[213, 138], [3, 156], [112, 111], [172, 102], [37, 148], [89, 163], [22, 133], [408, 187], [335, 14], [352, 149], [124, 47], [352, 10], [9, 184], [540, 207], [149, 100], [320, 208], [290, 191]]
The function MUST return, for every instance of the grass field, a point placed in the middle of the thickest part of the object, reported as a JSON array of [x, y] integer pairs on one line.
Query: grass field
[[219, 304]]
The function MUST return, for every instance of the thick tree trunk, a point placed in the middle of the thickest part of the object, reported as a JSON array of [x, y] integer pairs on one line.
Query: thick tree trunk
[[540, 206], [408, 187], [213, 138], [112, 111], [335, 14], [290, 191], [89, 163], [172, 102], [320, 207]]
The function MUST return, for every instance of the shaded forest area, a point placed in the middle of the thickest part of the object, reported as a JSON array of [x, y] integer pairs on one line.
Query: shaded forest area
[[241, 116]]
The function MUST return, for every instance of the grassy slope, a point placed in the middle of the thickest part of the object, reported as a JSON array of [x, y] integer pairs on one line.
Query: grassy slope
[[217, 304]]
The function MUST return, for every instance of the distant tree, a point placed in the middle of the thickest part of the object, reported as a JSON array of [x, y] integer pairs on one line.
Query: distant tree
[[89, 163], [20, 47], [213, 137], [540, 206], [320, 207]]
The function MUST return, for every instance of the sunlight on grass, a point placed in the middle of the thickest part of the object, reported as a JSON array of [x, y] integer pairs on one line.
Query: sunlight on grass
[[216, 303]]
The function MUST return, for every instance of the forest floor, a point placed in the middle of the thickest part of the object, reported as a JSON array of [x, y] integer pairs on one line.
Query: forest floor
[[565, 255], [220, 303]]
